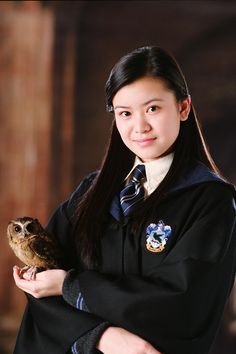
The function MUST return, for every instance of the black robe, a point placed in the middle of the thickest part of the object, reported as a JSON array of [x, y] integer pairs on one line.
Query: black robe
[[173, 298]]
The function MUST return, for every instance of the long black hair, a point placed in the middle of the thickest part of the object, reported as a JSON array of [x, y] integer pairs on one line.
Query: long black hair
[[93, 207]]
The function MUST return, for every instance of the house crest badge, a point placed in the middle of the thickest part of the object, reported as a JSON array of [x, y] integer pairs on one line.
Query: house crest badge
[[157, 236]]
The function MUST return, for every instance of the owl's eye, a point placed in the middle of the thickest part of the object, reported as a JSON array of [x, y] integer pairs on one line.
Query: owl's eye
[[30, 227], [17, 228]]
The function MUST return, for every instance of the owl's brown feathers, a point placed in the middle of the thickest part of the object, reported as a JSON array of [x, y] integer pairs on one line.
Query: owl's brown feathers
[[33, 245]]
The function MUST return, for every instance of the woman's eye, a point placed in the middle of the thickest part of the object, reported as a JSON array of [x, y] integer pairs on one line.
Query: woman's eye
[[152, 109], [125, 114]]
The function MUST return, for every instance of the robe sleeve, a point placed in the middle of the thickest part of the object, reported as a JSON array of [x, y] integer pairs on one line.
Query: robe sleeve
[[50, 325], [178, 307]]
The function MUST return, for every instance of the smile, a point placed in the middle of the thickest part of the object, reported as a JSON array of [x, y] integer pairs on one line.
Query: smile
[[144, 142]]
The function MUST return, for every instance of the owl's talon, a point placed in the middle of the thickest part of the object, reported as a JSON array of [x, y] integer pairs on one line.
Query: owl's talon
[[30, 274], [23, 270]]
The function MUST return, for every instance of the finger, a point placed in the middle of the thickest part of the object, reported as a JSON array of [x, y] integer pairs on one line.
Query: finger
[[16, 273], [20, 282], [27, 276], [28, 286], [16, 269]]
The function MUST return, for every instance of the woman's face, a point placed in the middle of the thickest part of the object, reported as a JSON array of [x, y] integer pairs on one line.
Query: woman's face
[[148, 117]]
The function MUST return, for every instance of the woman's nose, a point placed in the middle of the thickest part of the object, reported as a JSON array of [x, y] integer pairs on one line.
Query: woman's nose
[[141, 124]]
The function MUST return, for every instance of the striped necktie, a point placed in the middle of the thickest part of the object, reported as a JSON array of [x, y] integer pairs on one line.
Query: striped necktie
[[134, 191]]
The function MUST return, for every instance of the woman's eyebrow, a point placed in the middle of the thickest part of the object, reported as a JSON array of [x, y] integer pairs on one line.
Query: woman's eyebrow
[[123, 107], [143, 104], [153, 100]]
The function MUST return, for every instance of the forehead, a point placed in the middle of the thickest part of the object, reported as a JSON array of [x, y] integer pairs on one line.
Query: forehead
[[143, 90], [23, 220]]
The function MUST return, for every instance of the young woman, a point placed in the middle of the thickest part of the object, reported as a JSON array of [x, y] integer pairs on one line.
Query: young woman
[[149, 240]]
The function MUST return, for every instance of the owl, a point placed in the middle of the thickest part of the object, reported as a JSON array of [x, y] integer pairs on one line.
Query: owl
[[33, 245]]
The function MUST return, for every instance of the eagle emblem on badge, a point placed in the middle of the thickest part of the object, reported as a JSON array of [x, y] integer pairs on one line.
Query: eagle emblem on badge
[[157, 236]]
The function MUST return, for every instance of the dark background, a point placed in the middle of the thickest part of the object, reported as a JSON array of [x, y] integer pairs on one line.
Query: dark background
[[55, 57]]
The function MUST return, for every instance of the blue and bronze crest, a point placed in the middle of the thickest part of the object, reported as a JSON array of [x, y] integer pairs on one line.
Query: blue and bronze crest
[[157, 236]]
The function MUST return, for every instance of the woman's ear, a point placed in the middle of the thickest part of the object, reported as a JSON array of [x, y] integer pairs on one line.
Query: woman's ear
[[185, 107]]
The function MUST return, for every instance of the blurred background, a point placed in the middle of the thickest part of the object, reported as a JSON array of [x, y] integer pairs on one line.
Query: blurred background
[[55, 57]]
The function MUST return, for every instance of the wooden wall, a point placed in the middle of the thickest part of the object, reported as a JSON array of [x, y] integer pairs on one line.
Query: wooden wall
[[26, 32], [55, 57]]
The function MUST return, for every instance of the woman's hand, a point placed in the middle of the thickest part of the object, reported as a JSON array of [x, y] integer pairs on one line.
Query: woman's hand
[[117, 340], [47, 283]]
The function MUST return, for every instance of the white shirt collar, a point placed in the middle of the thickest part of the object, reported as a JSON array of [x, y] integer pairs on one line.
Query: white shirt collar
[[156, 171]]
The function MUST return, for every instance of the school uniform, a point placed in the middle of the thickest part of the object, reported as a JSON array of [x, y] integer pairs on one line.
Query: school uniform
[[168, 284]]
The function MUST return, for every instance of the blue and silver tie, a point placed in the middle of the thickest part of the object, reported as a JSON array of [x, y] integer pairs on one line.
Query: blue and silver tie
[[133, 193]]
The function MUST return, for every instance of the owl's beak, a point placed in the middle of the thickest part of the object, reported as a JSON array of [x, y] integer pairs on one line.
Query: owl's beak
[[22, 234]]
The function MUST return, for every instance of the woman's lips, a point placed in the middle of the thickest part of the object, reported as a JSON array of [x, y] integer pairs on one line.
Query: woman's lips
[[144, 142]]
